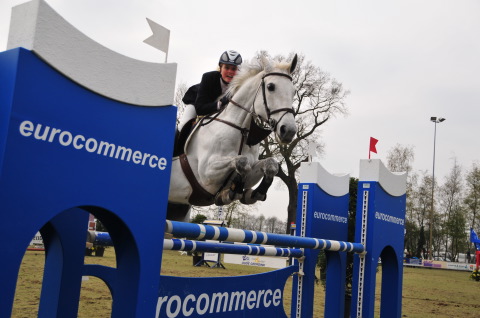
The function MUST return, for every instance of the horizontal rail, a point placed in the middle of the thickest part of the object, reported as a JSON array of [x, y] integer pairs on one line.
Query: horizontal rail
[[208, 232], [199, 246]]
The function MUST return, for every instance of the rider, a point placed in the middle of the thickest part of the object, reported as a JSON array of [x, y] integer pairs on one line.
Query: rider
[[213, 85]]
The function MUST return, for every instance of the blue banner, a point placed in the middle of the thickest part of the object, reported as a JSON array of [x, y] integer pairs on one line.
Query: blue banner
[[259, 295], [474, 239]]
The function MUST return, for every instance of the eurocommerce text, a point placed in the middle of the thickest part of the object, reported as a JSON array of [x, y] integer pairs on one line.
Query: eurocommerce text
[[220, 302], [66, 138]]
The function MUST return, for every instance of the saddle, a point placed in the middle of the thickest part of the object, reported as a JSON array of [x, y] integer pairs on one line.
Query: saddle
[[181, 138]]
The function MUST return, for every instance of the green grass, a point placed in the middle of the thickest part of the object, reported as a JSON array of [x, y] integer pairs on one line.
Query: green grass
[[426, 292]]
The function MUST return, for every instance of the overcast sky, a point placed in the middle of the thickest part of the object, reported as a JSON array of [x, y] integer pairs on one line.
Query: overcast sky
[[402, 61]]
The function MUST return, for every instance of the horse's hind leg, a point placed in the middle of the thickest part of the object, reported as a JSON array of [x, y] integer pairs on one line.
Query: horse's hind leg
[[235, 191], [269, 169]]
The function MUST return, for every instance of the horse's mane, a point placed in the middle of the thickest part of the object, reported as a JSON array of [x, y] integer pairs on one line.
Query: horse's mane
[[254, 67]]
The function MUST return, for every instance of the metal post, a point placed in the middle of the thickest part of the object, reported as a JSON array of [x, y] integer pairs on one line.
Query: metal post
[[435, 120]]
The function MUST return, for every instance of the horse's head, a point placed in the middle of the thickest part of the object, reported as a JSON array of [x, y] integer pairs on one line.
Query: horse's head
[[275, 103], [267, 90]]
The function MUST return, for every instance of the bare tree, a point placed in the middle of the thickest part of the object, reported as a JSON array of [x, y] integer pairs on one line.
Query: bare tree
[[235, 211], [400, 158], [318, 98], [179, 93], [274, 225], [271, 224], [260, 220], [234, 214], [421, 198], [451, 205], [472, 199], [245, 220]]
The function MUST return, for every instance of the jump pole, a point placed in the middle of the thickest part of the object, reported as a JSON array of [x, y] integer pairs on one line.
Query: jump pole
[[208, 232]]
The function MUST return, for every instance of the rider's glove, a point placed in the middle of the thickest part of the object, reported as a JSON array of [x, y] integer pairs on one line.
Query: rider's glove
[[222, 102]]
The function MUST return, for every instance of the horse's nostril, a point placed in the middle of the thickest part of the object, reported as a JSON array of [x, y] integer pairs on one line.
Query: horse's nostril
[[286, 133]]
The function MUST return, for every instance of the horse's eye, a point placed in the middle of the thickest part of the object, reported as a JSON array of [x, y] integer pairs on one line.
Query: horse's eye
[[271, 87]]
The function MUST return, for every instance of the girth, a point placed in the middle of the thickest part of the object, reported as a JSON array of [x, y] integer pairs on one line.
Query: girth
[[199, 196]]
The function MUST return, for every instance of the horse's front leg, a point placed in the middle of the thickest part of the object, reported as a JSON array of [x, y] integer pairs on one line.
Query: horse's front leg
[[236, 179], [268, 169]]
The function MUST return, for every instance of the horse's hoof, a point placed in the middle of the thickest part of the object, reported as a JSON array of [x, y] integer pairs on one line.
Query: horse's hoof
[[248, 201], [259, 196], [247, 197], [219, 199], [219, 202], [225, 197]]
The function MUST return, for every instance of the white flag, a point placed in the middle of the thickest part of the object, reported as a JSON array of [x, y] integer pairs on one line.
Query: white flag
[[160, 37]]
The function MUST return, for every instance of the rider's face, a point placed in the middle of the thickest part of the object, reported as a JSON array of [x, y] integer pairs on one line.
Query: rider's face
[[228, 72]]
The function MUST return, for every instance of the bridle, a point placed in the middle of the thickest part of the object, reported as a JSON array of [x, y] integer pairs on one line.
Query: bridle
[[268, 124]]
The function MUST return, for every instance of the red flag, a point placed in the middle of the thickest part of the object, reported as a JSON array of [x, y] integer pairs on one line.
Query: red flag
[[373, 143]]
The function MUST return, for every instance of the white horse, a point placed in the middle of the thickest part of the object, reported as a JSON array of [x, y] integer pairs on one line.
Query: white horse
[[222, 150]]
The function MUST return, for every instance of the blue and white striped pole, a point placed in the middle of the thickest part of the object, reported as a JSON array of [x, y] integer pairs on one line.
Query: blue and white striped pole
[[200, 231], [224, 248]]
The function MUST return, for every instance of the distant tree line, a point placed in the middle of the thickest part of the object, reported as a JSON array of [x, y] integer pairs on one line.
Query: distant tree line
[[451, 214], [240, 216]]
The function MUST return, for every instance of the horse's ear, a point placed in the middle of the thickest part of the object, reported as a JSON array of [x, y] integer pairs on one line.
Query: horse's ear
[[294, 64], [265, 62]]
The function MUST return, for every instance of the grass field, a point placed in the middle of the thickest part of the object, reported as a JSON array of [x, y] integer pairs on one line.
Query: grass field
[[426, 292]]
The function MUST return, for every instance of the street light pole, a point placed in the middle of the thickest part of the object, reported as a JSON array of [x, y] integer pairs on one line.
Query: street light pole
[[435, 120]]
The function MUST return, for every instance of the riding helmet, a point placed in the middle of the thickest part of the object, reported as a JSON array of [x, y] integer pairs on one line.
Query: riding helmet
[[230, 57]]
